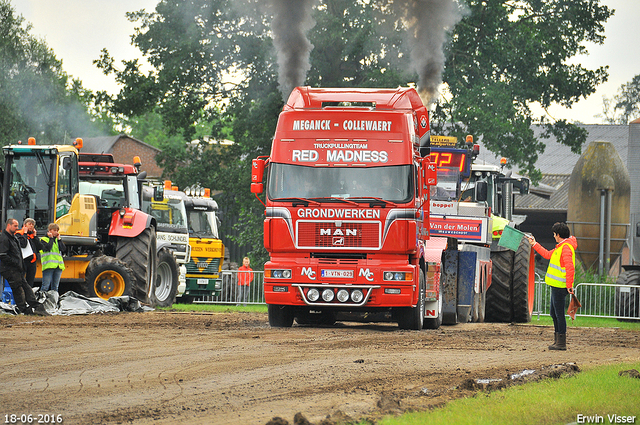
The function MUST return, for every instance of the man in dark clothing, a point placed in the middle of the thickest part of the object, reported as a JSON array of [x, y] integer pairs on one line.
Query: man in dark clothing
[[12, 269]]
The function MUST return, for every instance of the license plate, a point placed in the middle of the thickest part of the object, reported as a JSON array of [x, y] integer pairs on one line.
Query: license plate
[[203, 281], [344, 274]]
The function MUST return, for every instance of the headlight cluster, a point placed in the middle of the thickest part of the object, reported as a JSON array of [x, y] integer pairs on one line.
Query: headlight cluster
[[278, 274], [329, 294], [397, 276]]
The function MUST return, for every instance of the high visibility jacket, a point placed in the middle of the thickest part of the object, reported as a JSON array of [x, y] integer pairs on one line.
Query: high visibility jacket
[[51, 259], [565, 260], [556, 274]]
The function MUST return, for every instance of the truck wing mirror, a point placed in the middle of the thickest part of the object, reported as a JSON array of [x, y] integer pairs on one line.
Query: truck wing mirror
[[66, 163], [430, 172], [482, 191], [257, 171]]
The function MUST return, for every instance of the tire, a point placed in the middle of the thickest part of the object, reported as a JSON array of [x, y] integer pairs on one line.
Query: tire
[[628, 303], [413, 317], [140, 255], [498, 305], [523, 283], [107, 277], [280, 316], [166, 286]]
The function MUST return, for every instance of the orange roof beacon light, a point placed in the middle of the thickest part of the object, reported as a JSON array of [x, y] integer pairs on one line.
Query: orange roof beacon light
[[174, 188], [469, 140], [207, 193], [31, 141], [167, 185], [78, 143], [503, 161], [136, 161]]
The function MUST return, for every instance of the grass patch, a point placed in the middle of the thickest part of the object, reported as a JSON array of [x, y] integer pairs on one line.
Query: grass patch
[[589, 322], [219, 308], [599, 391]]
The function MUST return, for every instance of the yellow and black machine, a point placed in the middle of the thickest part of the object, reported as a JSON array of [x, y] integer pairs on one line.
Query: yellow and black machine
[[111, 247]]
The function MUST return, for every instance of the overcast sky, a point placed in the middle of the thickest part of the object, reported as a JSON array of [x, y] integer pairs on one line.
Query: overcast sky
[[77, 30]]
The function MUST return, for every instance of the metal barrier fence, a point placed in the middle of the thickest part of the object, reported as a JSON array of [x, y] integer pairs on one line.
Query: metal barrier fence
[[598, 300], [233, 293]]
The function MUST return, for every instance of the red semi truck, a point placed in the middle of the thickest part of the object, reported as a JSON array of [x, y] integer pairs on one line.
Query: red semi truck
[[347, 213]]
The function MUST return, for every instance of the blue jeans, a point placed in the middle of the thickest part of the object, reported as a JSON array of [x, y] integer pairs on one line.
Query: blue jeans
[[558, 296], [51, 279]]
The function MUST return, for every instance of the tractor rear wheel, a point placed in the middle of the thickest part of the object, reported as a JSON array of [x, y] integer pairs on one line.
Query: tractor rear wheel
[[498, 304], [523, 283], [140, 254], [628, 298], [165, 288], [108, 277]]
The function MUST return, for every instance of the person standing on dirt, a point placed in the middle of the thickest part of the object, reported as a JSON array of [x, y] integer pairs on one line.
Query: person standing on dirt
[[31, 247], [560, 275], [12, 269], [245, 277], [52, 262]]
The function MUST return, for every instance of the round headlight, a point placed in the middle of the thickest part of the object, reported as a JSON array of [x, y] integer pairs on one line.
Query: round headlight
[[343, 295], [399, 276], [328, 295], [357, 296], [388, 275], [313, 294], [286, 274], [276, 274]]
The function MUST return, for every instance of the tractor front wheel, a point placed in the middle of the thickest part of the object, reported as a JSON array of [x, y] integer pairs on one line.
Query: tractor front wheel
[[108, 277]]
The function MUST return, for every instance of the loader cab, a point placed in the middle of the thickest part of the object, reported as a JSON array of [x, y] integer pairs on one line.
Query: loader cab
[[39, 182]]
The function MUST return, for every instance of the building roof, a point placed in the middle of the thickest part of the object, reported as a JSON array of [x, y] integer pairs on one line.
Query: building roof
[[558, 158], [105, 144], [558, 201]]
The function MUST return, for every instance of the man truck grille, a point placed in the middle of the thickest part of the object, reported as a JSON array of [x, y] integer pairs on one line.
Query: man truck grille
[[318, 234]]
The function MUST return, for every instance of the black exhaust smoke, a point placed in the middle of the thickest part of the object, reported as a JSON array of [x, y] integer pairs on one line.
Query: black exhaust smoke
[[291, 21]]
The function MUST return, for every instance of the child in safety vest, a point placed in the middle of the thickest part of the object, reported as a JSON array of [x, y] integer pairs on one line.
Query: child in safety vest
[[51, 258]]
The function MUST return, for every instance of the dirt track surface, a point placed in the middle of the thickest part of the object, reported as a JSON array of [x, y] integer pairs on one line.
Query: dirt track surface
[[232, 368]]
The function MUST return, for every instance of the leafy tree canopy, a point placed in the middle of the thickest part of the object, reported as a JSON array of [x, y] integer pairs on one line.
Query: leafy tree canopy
[[624, 107], [37, 98]]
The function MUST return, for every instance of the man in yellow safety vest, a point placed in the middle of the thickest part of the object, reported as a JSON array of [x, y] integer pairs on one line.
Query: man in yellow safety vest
[[560, 273]]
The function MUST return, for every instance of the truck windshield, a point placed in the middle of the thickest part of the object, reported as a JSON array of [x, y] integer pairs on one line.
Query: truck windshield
[[203, 224], [447, 188], [392, 183], [28, 188], [110, 192], [170, 214]]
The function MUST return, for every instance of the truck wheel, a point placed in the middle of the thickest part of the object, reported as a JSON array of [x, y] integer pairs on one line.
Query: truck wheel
[[280, 316], [523, 283], [413, 317], [498, 306], [628, 303], [140, 254], [107, 277], [166, 286]]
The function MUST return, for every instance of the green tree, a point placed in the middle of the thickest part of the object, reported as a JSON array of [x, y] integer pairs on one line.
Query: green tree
[[37, 98], [625, 105], [506, 55]]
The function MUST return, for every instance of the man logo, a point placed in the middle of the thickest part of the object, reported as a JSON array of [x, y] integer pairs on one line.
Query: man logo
[[338, 241], [307, 271], [339, 232], [368, 274]]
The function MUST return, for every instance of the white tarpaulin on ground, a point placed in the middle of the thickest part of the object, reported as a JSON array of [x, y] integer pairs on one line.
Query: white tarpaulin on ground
[[71, 303]]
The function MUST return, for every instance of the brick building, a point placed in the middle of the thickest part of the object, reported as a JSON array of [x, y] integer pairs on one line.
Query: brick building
[[124, 148]]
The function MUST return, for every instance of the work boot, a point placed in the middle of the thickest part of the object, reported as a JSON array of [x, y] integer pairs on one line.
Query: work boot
[[39, 310], [561, 344], [555, 341]]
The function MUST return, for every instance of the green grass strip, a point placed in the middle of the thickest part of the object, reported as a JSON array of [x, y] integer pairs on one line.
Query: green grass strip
[[598, 394]]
